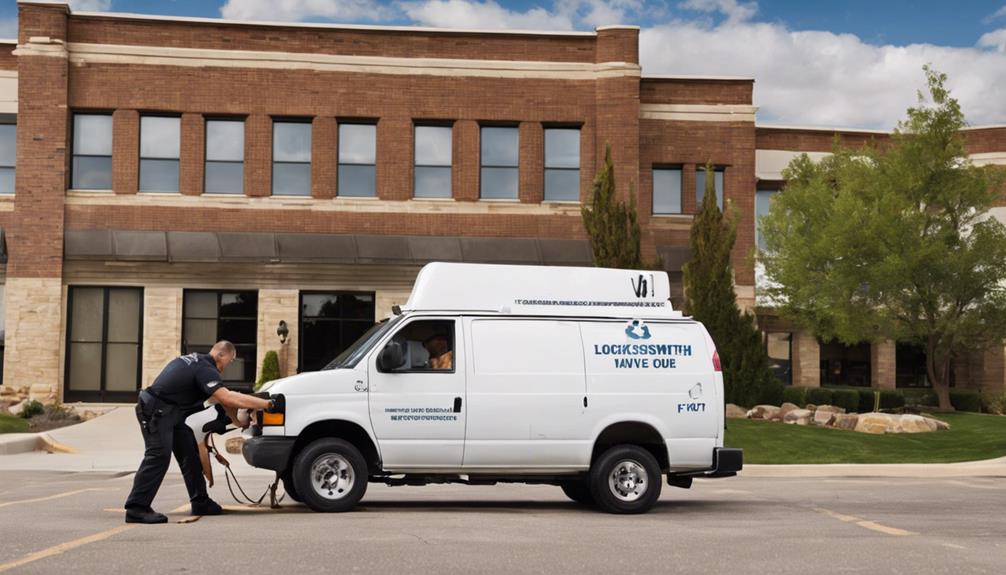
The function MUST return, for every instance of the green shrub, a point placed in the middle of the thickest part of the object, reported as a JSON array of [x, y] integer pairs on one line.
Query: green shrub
[[795, 395], [865, 399], [994, 403], [966, 400], [847, 399], [32, 408], [891, 399], [819, 396], [920, 397], [270, 369]]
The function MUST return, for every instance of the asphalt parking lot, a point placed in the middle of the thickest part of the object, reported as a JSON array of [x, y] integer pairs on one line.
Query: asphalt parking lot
[[71, 522]]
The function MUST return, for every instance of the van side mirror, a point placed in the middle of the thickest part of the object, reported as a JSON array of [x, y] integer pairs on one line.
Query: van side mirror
[[391, 357]]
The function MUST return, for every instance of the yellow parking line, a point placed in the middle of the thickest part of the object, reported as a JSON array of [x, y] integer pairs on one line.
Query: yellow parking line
[[866, 524], [57, 496], [64, 547]]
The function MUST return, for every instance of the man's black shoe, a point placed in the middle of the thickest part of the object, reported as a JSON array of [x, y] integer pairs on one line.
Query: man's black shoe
[[207, 507], [148, 517]]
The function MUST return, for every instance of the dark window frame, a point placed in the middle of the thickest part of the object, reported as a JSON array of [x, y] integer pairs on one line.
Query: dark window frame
[[483, 165], [229, 383], [10, 120], [139, 152], [275, 162], [339, 163], [340, 320], [681, 184], [721, 168], [544, 161], [74, 154], [416, 164], [102, 395], [206, 155]]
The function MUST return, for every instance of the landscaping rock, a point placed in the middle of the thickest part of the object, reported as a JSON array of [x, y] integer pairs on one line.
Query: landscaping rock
[[735, 412], [810, 407], [823, 418], [786, 408], [799, 417], [876, 423], [845, 421], [234, 445], [17, 408], [830, 409], [762, 412]]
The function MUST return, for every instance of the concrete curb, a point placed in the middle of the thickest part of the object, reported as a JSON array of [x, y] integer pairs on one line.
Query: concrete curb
[[983, 468], [14, 443]]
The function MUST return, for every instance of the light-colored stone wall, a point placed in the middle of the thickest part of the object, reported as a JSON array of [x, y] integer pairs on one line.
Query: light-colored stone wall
[[275, 305], [883, 363], [806, 360], [387, 298], [33, 322], [162, 329]]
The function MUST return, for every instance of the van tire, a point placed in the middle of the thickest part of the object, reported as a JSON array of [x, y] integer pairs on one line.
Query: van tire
[[289, 488], [625, 479], [330, 475], [578, 490]]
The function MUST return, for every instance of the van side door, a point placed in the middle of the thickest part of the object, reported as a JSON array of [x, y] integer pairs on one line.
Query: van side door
[[418, 408], [525, 391]]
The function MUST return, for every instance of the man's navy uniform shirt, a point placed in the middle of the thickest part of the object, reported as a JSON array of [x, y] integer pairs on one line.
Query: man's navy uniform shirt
[[187, 380]]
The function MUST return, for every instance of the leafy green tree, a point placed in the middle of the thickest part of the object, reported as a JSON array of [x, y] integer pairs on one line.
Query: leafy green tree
[[711, 299], [894, 241], [612, 225], [270, 369]]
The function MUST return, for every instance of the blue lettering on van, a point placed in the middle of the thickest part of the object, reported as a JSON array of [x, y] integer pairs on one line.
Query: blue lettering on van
[[644, 355], [691, 408]]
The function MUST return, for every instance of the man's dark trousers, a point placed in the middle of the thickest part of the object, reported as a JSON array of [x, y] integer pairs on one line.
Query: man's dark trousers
[[163, 434]]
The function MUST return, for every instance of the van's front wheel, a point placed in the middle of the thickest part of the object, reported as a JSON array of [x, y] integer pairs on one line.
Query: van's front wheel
[[625, 479], [330, 475]]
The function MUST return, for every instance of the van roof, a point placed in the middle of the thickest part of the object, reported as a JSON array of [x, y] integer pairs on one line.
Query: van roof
[[542, 290]]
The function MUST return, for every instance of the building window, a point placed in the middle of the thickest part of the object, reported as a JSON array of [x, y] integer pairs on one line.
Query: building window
[[92, 152], [104, 345], [433, 155], [210, 316], [499, 163], [160, 146], [666, 191], [763, 202], [8, 155], [2, 335], [780, 349], [225, 157], [562, 165], [329, 323], [700, 186], [357, 160], [843, 364], [291, 158]]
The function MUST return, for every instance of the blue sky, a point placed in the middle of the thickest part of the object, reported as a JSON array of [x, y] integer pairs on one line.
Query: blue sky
[[855, 63]]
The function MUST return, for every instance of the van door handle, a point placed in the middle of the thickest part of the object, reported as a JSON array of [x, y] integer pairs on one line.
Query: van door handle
[[457, 405]]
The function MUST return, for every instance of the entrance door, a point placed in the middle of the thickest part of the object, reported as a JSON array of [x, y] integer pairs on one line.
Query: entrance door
[[104, 349], [418, 410]]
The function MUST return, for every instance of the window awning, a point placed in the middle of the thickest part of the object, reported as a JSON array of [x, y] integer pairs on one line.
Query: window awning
[[153, 246]]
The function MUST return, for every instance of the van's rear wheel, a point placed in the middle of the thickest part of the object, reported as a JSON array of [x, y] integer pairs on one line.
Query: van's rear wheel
[[625, 479], [577, 490], [330, 475]]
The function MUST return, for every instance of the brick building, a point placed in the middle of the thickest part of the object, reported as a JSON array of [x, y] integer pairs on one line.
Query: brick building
[[182, 180]]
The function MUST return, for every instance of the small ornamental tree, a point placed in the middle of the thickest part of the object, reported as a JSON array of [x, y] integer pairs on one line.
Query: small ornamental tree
[[711, 299], [894, 242], [611, 224], [270, 369]]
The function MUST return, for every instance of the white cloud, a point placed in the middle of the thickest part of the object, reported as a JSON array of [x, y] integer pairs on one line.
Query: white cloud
[[487, 14], [733, 10], [297, 10], [1000, 13], [823, 78], [91, 5], [995, 40]]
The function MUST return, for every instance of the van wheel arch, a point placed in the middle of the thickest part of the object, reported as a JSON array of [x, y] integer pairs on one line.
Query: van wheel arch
[[340, 429], [632, 433]]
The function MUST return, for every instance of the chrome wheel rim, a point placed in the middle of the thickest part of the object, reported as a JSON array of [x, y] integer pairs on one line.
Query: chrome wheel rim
[[332, 476], [628, 480]]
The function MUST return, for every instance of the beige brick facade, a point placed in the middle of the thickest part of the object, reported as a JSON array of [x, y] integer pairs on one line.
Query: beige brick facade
[[162, 329], [806, 360], [883, 363], [275, 305], [33, 324]]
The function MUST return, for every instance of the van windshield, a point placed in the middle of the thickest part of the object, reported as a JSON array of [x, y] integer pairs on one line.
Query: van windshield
[[355, 352]]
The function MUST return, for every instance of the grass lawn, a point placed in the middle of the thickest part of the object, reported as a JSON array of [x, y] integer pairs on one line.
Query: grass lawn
[[11, 424], [971, 437]]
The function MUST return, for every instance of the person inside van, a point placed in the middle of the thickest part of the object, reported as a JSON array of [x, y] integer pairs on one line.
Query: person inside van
[[439, 348]]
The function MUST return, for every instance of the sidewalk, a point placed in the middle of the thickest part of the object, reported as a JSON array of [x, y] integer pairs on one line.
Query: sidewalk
[[112, 443]]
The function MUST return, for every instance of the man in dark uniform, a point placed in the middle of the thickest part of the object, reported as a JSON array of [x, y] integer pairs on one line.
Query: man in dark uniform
[[180, 390]]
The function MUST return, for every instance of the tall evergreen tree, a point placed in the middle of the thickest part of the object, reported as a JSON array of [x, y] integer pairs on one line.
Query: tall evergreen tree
[[710, 298], [611, 224]]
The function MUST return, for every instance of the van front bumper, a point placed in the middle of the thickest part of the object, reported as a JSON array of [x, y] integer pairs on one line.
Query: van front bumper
[[268, 452]]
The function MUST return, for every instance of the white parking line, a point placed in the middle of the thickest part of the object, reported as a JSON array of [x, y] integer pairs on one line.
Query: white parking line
[[57, 496], [864, 523]]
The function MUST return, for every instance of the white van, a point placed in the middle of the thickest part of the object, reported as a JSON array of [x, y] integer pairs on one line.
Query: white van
[[584, 378]]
